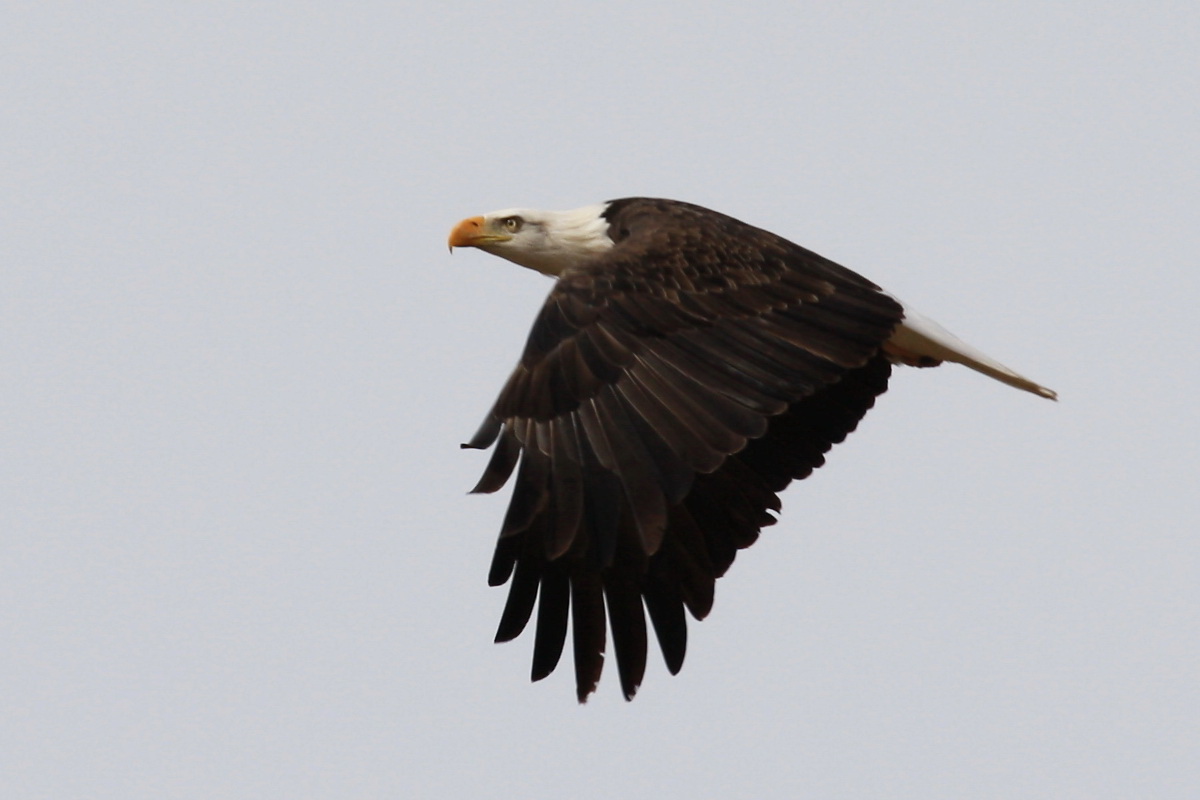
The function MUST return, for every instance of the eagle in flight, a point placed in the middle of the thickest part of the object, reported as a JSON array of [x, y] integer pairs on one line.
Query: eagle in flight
[[685, 368]]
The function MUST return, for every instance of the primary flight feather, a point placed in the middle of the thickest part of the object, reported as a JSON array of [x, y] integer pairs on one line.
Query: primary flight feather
[[685, 368]]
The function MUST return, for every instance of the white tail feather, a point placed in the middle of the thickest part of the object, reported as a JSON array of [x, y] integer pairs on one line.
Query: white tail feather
[[924, 337]]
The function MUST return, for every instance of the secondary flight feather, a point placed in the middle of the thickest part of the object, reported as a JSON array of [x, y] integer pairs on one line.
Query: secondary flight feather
[[685, 368]]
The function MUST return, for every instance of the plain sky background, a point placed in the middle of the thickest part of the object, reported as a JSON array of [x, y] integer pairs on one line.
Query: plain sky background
[[237, 559]]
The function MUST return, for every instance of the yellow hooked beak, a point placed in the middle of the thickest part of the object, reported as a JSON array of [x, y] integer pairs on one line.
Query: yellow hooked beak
[[472, 232]]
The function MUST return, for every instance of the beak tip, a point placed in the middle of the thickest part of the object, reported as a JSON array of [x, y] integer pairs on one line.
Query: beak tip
[[466, 233]]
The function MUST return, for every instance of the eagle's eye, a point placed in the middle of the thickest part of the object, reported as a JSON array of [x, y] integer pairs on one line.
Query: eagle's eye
[[512, 224]]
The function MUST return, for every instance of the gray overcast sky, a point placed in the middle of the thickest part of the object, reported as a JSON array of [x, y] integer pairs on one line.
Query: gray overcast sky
[[237, 558]]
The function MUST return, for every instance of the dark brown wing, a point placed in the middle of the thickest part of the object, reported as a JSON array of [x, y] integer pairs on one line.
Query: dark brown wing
[[668, 391]]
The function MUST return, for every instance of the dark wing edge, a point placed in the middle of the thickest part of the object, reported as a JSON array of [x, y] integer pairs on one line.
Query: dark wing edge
[[667, 394]]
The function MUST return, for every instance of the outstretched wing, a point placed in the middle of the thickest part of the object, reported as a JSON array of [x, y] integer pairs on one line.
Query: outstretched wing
[[669, 389]]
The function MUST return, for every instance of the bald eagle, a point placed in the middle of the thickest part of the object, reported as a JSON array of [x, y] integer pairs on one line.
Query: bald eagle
[[685, 368]]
